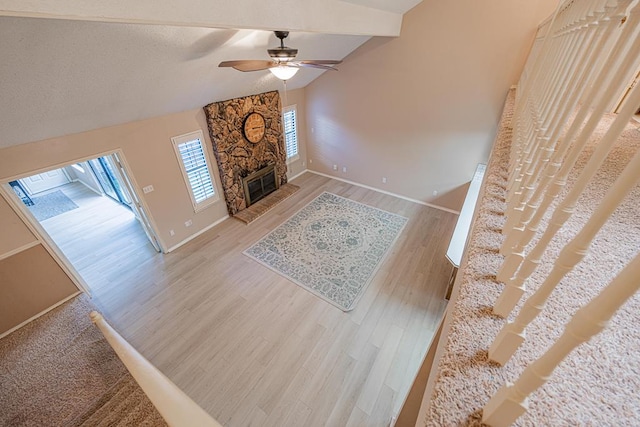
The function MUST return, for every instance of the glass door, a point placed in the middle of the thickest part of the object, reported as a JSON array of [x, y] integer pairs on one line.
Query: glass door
[[108, 179]]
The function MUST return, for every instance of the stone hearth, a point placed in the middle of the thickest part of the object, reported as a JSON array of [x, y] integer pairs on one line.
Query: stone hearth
[[236, 157]]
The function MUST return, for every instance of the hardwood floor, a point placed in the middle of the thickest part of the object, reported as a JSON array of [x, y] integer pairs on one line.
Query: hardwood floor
[[101, 238], [253, 348]]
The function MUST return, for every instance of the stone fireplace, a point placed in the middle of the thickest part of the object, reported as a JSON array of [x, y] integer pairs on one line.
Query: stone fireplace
[[238, 158]]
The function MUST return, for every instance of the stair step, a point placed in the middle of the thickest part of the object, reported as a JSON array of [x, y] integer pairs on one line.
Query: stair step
[[124, 404]]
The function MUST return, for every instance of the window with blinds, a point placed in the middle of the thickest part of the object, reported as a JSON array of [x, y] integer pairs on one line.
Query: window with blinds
[[290, 132], [194, 163]]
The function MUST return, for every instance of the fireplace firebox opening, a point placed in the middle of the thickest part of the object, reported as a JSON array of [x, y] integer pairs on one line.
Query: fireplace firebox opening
[[259, 184]]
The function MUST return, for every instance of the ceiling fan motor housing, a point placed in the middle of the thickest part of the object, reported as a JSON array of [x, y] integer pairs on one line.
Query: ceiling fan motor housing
[[282, 53]]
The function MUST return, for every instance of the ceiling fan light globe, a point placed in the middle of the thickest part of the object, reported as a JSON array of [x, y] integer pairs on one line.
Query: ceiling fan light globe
[[283, 72]]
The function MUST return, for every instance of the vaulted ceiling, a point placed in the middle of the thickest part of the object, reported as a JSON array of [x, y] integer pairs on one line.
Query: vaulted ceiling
[[67, 69]]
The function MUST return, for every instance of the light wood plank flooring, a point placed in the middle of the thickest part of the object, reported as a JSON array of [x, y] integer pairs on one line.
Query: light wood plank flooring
[[253, 348], [102, 238]]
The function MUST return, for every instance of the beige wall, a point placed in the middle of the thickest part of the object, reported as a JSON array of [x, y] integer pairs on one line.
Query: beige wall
[[422, 109], [15, 233], [149, 153], [30, 280]]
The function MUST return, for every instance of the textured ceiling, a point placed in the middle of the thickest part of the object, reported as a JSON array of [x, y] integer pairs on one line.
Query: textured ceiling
[[70, 66], [59, 77]]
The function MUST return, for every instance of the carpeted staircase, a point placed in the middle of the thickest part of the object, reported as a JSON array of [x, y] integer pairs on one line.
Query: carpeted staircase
[[60, 371], [124, 404], [595, 384]]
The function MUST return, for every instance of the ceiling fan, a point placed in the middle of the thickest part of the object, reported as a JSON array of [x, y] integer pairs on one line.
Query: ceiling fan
[[283, 64]]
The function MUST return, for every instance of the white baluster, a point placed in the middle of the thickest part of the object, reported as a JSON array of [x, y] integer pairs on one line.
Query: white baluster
[[514, 287], [560, 62], [521, 235], [510, 402], [512, 334], [523, 88], [584, 73], [562, 71]]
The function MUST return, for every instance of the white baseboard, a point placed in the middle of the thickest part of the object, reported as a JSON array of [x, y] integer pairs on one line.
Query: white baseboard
[[297, 175], [193, 236], [399, 196], [45, 311]]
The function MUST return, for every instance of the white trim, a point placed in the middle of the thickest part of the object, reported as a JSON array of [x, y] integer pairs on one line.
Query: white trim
[[58, 165], [183, 139], [297, 175], [43, 312], [399, 196], [193, 236], [294, 108], [20, 249], [293, 159], [458, 240], [149, 227]]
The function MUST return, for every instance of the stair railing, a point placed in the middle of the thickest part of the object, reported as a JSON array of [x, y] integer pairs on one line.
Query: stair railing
[[575, 72], [177, 409]]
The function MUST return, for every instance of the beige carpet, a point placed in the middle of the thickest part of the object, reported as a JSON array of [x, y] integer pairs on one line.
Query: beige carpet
[[53, 370], [263, 206], [125, 404], [598, 383]]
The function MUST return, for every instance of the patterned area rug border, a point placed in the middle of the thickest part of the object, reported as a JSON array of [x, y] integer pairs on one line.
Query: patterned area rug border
[[364, 268]]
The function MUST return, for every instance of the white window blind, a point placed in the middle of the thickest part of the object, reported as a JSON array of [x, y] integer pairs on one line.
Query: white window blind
[[195, 168], [290, 132]]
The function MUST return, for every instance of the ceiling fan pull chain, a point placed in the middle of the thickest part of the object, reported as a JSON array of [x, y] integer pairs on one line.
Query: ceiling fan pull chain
[[286, 100]]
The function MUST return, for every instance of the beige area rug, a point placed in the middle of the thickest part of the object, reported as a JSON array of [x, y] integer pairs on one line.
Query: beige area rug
[[598, 384], [263, 206], [55, 369], [332, 247]]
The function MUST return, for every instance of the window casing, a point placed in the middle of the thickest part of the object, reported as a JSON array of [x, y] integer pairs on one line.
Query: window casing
[[290, 126], [194, 164]]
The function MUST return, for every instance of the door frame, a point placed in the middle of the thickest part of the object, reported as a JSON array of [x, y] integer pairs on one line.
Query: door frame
[[137, 204], [45, 239]]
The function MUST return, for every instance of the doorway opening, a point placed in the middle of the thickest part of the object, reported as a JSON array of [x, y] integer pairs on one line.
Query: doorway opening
[[90, 212]]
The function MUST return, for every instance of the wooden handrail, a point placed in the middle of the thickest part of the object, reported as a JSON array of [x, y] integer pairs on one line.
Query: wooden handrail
[[173, 404]]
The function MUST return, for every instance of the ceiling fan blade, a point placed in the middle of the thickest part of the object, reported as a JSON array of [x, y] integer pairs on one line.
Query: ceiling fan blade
[[311, 64], [320, 61], [248, 65]]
